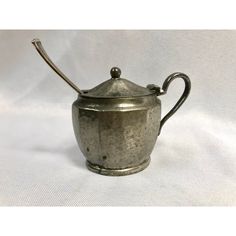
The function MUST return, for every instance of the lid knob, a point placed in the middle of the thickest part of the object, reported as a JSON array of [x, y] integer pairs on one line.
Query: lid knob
[[115, 72]]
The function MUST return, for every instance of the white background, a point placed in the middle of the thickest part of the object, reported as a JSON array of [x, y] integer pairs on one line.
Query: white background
[[193, 162]]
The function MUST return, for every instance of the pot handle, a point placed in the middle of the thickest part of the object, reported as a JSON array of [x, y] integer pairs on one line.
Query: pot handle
[[183, 97]]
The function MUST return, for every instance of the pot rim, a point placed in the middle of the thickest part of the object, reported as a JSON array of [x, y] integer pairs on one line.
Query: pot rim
[[85, 95]]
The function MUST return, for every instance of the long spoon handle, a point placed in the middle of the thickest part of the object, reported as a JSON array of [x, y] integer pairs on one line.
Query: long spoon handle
[[39, 47]]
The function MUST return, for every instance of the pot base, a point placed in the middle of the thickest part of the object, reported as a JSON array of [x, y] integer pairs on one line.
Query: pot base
[[117, 172]]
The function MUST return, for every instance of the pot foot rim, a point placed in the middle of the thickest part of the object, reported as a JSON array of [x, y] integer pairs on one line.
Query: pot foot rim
[[117, 172]]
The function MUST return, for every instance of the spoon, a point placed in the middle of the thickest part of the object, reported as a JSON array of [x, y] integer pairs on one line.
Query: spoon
[[39, 47]]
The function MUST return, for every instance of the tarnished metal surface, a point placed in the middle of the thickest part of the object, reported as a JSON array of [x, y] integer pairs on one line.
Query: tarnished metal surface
[[117, 134], [117, 87], [116, 124]]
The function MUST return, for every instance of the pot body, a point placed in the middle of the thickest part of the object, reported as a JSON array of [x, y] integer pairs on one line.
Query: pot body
[[116, 135]]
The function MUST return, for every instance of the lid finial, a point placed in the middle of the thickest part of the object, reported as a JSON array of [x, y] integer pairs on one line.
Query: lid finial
[[115, 72]]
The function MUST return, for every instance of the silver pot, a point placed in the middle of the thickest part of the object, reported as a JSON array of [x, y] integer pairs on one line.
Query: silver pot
[[116, 124]]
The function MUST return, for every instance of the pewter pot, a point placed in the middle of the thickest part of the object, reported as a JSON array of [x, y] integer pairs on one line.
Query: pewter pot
[[116, 124]]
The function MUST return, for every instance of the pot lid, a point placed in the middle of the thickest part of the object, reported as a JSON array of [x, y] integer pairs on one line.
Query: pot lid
[[117, 87]]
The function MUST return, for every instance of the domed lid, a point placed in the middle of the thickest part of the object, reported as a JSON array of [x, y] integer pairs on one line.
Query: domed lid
[[117, 87]]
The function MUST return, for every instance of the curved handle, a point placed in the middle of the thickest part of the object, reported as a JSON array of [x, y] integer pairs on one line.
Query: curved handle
[[39, 47], [185, 94]]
